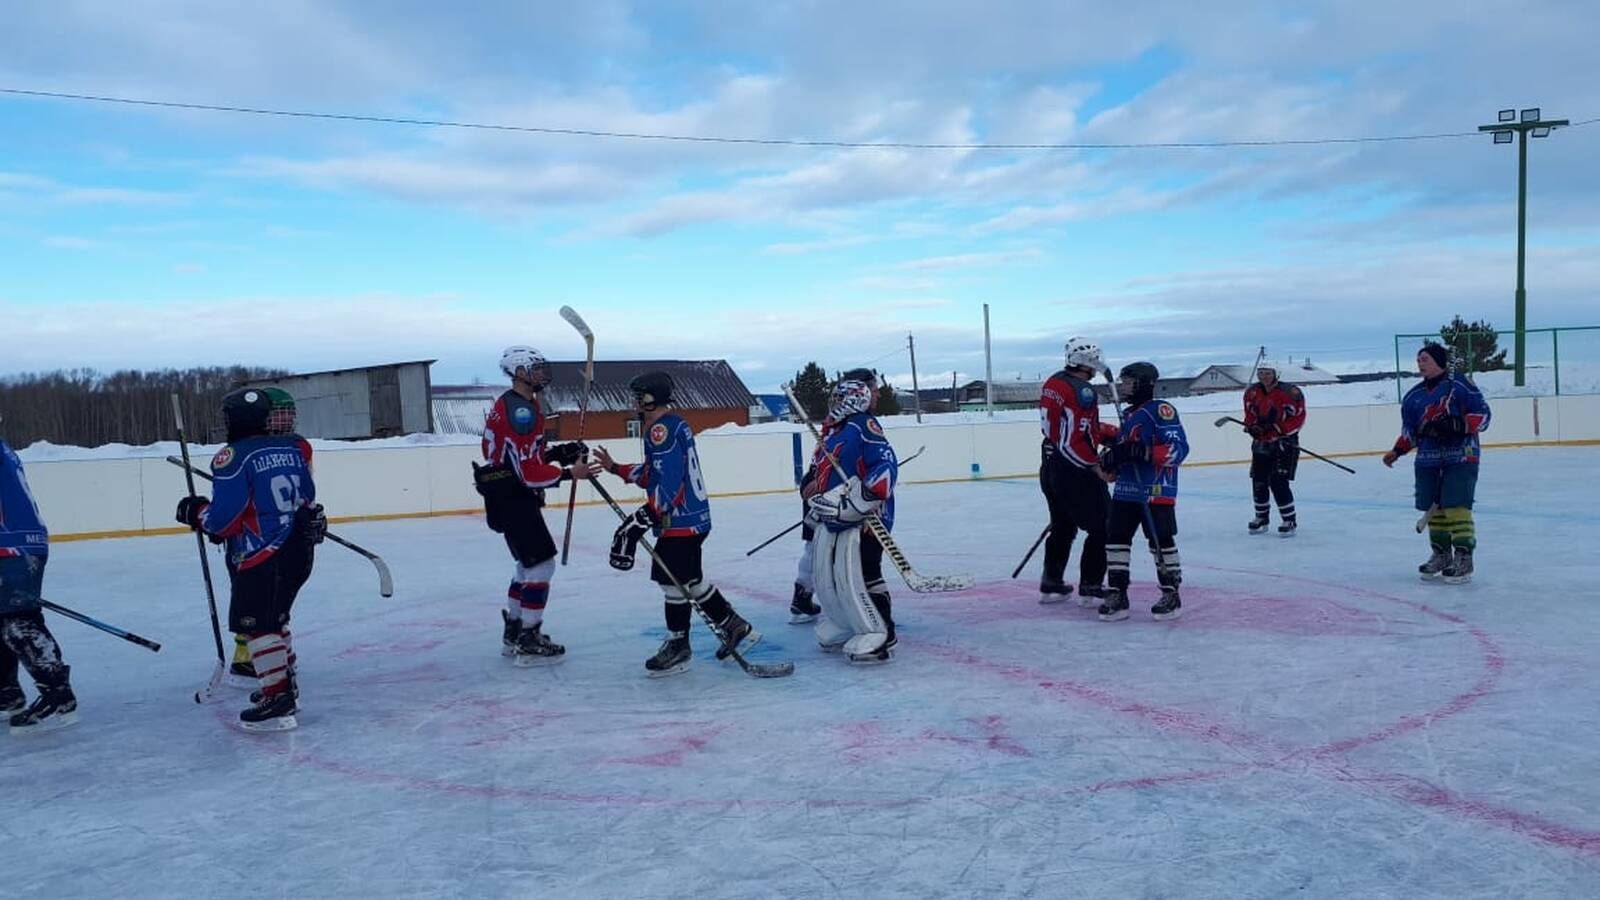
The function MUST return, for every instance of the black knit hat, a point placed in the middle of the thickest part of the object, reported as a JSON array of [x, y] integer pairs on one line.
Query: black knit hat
[[1439, 353]]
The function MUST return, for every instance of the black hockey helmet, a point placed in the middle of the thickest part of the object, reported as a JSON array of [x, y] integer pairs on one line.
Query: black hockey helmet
[[1143, 376], [245, 413], [651, 390]]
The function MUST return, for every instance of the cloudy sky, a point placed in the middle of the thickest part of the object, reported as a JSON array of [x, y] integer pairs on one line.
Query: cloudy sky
[[142, 237]]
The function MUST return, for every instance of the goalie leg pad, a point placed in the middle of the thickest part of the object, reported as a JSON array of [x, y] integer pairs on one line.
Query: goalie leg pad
[[850, 586]]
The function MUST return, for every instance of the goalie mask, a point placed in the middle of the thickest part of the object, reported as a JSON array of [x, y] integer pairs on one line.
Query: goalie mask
[[849, 398]]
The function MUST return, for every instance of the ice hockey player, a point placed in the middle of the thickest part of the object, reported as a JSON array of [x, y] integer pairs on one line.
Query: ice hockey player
[[803, 609], [24, 637], [1070, 477], [1441, 419], [1274, 413], [1144, 463], [264, 508], [677, 512], [847, 569], [519, 468], [280, 420]]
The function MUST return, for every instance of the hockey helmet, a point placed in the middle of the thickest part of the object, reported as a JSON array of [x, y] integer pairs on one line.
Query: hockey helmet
[[245, 412], [651, 390], [531, 363], [281, 414], [848, 398], [1083, 353]]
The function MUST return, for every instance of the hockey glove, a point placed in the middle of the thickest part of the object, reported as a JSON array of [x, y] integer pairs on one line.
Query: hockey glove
[[625, 541], [1446, 428], [847, 504], [566, 454], [1127, 452], [190, 510], [315, 522]]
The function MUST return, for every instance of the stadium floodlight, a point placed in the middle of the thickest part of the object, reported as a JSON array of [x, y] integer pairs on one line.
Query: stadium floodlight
[[1502, 137], [1508, 115], [1531, 114], [1541, 131]]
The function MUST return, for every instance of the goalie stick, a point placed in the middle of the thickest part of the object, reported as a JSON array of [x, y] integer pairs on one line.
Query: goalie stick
[[764, 544], [385, 579], [576, 321], [1226, 419], [922, 584], [759, 670], [215, 682]]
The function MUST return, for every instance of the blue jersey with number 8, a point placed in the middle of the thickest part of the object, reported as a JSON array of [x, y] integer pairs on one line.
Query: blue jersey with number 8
[[670, 475], [259, 484]]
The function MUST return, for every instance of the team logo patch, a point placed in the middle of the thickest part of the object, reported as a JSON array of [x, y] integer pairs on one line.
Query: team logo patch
[[874, 427], [222, 459], [658, 433], [1087, 396], [1166, 411], [522, 415]]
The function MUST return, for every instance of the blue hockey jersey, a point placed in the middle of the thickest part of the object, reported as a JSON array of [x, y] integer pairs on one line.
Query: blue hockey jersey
[[858, 443], [259, 483], [670, 475], [1448, 396], [1155, 424], [21, 528]]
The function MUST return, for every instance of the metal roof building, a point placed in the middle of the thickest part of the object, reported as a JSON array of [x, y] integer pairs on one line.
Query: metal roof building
[[706, 393], [361, 402]]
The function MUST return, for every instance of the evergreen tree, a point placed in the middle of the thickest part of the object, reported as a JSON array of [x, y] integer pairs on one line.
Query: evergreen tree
[[888, 402], [811, 387], [1474, 343]]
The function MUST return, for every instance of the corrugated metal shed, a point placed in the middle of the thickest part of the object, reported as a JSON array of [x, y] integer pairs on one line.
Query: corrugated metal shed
[[361, 402], [698, 384]]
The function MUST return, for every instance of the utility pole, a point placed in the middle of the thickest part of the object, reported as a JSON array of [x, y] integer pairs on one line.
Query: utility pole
[[1523, 126], [916, 392], [988, 366]]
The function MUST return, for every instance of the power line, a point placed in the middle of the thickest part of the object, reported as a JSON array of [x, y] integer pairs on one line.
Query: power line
[[716, 139]]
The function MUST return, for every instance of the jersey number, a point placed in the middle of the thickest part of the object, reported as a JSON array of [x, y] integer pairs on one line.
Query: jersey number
[[286, 492], [697, 482]]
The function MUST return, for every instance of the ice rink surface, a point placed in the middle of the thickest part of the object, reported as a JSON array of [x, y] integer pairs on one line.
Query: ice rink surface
[[1318, 724]]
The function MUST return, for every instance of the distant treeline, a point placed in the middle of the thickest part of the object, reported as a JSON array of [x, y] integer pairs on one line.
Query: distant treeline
[[85, 408]]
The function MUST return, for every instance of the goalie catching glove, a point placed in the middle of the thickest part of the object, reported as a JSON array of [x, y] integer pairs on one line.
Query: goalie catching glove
[[625, 542], [847, 504]]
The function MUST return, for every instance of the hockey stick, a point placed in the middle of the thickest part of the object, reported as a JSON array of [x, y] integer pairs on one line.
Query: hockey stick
[[922, 584], [759, 670], [128, 636], [763, 545], [385, 578], [210, 690], [576, 321], [1422, 523], [1031, 550], [1220, 422]]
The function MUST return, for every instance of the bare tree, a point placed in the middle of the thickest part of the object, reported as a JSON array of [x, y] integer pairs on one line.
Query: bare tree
[[81, 407]]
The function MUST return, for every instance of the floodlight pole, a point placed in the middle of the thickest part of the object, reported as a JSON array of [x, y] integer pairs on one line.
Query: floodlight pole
[[1529, 124]]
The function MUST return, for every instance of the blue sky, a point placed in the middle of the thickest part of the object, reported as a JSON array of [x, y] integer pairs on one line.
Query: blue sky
[[137, 237]]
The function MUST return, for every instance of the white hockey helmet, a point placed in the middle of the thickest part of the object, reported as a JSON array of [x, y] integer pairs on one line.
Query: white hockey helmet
[[848, 398], [530, 362], [1085, 354], [1268, 363]]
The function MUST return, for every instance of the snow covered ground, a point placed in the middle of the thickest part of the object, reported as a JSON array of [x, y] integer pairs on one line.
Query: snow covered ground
[[1319, 724]]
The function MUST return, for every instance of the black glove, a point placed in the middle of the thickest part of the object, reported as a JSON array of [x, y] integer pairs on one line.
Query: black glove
[[566, 454], [625, 541], [190, 509], [1446, 428], [1128, 451], [314, 521]]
